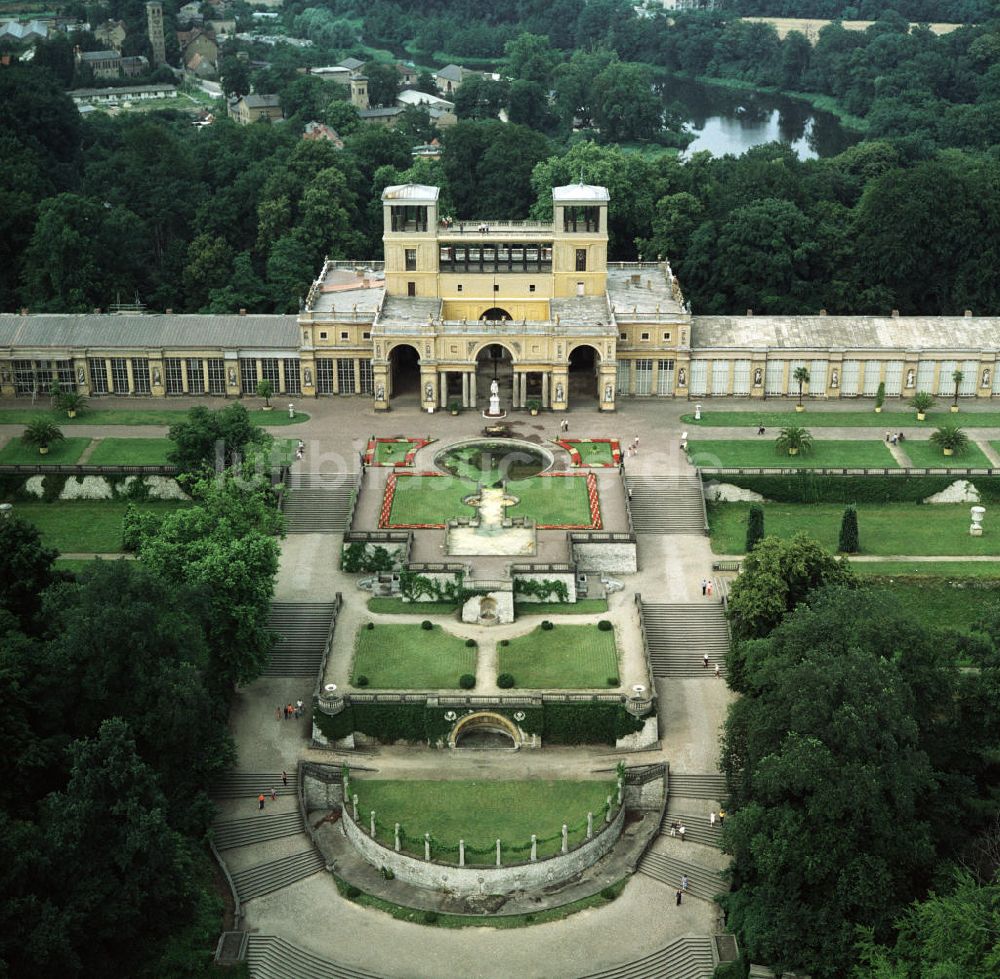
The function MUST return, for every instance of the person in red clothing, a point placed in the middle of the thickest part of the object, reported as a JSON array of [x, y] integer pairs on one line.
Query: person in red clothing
[[260, 801]]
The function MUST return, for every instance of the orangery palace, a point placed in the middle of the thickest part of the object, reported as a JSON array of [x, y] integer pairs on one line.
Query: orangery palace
[[533, 305]]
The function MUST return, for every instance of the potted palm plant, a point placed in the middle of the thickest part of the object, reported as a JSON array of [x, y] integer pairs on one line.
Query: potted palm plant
[[454, 407], [793, 440], [950, 439], [265, 389], [71, 402], [42, 433], [957, 377], [534, 405], [880, 397], [801, 375], [922, 402]]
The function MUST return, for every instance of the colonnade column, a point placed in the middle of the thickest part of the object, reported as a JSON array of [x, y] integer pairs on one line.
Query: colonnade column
[[473, 382], [518, 390], [545, 389], [465, 389], [443, 382]]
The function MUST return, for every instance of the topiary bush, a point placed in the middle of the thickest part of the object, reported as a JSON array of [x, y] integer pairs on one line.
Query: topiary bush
[[427, 625], [361, 680], [470, 643], [605, 625], [613, 681], [370, 625], [466, 681], [504, 642], [546, 625], [755, 526], [849, 542], [430, 917], [505, 681]]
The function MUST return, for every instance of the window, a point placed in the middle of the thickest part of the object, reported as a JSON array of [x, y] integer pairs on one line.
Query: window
[[140, 375], [531, 288], [623, 378], [409, 218], [269, 372], [367, 385], [622, 336], [24, 376], [216, 376], [196, 376], [970, 378], [741, 377], [458, 288], [174, 378], [496, 287], [643, 377], [64, 374], [293, 382], [345, 375], [248, 375], [581, 260], [366, 335], [322, 335], [698, 381], [894, 378], [344, 335], [849, 371], [581, 218], [411, 288], [665, 377], [119, 375], [98, 376], [774, 377], [324, 376], [817, 378], [720, 377], [411, 259], [873, 375], [666, 336], [925, 375], [644, 336]]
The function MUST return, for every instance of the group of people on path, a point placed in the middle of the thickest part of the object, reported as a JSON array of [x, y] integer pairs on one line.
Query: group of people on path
[[894, 438], [289, 711], [261, 799]]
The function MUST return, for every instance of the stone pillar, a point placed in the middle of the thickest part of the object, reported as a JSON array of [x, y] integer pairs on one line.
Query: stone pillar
[[590, 825], [545, 389], [621, 790], [565, 840], [498, 853], [185, 383], [465, 390], [373, 824], [607, 814], [129, 375], [534, 847], [443, 383], [397, 838], [461, 853], [355, 801], [472, 389], [427, 846]]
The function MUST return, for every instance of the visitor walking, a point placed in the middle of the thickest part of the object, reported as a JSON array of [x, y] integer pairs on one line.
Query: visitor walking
[[711, 819], [681, 831], [722, 817], [760, 428], [260, 802], [717, 673], [704, 661], [684, 883], [289, 711], [704, 586], [673, 828], [277, 713], [709, 588], [274, 795], [284, 779], [679, 895], [888, 435], [298, 704]]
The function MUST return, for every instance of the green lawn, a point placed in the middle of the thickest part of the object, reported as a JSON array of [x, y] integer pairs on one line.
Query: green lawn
[[929, 569], [546, 499], [593, 453], [480, 812], [936, 603], [140, 416], [926, 455], [751, 453], [406, 657], [889, 420], [131, 452], [885, 528], [390, 453], [583, 606], [396, 606], [62, 453], [566, 657], [81, 526]]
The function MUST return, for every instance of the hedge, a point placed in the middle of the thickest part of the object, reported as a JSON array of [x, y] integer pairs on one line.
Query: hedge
[[337, 727], [583, 723], [808, 487]]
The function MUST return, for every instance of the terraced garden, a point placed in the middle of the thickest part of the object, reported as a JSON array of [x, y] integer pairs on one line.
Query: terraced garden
[[761, 452], [565, 657], [407, 657]]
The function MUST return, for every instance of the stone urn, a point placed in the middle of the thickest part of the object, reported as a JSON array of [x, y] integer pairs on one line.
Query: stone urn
[[977, 513]]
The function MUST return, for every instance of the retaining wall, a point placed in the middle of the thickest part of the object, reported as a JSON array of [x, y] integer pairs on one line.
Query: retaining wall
[[616, 557]]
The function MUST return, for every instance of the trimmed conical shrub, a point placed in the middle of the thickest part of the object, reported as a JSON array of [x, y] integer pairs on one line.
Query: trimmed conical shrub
[[849, 543], [755, 525]]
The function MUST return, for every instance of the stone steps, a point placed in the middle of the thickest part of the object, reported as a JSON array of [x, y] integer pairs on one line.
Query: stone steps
[[318, 503], [249, 785], [270, 957], [690, 957], [231, 833], [680, 635], [666, 504], [696, 786], [265, 878], [696, 827], [303, 629], [702, 882]]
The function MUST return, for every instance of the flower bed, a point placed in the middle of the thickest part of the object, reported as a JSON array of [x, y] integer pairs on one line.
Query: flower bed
[[376, 455], [605, 453]]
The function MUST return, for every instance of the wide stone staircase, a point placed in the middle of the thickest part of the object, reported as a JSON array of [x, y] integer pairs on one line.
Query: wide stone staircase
[[318, 503], [679, 635], [263, 878], [231, 833], [303, 629], [697, 828], [668, 869], [690, 957], [249, 785], [666, 504], [693, 786], [270, 957]]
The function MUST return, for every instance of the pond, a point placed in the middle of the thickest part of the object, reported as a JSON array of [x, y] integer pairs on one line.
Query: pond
[[490, 462], [726, 120]]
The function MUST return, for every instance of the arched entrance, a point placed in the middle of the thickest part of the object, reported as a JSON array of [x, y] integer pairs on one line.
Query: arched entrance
[[494, 361], [404, 372], [496, 315], [484, 729], [584, 362]]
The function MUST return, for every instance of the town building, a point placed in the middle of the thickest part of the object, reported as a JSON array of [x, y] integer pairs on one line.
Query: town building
[[534, 305], [154, 28], [254, 108], [110, 64], [449, 78], [318, 131], [127, 93]]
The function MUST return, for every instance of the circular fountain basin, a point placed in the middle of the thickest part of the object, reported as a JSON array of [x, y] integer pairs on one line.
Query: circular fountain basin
[[492, 461]]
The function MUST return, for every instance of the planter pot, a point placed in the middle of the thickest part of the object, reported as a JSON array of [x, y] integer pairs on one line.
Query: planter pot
[[71, 413], [954, 409], [949, 452], [800, 407], [43, 450], [267, 408], [793, 452], [921, 415], [878, 409], [534, 411], [454, 412]]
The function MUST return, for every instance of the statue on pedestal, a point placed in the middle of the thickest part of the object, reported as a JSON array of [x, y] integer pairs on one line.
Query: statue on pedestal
[[494, 408]]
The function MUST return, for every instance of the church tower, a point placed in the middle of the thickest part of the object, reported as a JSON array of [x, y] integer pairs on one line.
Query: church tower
[[154, 27]]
